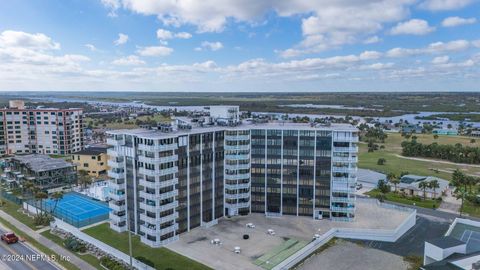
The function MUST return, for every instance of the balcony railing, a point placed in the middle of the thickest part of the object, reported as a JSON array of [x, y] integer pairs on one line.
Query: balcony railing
[[117, 219], [157, 160], [237, 196], [116, 175], [343, 199], [345, 159], [237, 186], [157, 147], [116, 207], [237, 137], [114, 142], [237, 157], [345, 138], [117, 197], [236, 147], [157, 184], [352, 149], [237, 166], [115, 164], [160, 172], [343, 209], [237, 176], [238, 205]]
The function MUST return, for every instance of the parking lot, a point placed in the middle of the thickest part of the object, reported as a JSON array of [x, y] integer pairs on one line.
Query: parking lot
[[196, 244]]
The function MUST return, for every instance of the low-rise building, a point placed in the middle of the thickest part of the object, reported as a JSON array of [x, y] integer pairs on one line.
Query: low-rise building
[[410, 186], [458, 249], [93, 160], [450, 132], [43, 171]]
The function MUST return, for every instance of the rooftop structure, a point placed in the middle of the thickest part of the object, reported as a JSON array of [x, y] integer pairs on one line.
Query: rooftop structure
[[93, 160], [42, 170], [410, 185], [458, 249]]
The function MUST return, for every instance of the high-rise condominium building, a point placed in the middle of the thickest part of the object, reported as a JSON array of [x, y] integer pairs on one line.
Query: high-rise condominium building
[[166, 183], [40, 130]]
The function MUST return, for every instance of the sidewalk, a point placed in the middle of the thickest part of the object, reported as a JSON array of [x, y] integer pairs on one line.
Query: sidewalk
[[47, 242]]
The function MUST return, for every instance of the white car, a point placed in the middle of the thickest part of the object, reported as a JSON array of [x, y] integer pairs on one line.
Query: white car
[[250, 225], [271, 232]]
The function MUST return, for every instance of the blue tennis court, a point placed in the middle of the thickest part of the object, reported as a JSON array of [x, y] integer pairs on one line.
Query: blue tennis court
[[78, 210]]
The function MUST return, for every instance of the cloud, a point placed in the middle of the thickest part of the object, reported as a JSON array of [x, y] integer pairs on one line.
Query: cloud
[[131, 60], [155, 51], [432, 48], [213, 46], [443, 5], [412, 27], [19, 39], [372, 39], [122, 39], [163, 35], [91, 47], [441, 59], [112, 5], [456, 21]]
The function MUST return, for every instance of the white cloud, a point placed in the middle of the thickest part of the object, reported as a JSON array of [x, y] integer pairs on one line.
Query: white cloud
[[442, 5], [456, 21], [369, 55], [113, 5], [412, 27], [441, 60], [155, 51], [476, 43], [131, 60], [163, 35], [213, 46], [372, 39], [122, 39], [91, 47], [432, 48], [19, 39]]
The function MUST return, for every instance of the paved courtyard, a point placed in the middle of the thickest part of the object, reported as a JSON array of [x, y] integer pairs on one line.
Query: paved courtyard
[[196, 243]]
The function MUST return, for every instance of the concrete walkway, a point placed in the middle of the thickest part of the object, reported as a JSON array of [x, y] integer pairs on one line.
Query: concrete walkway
[[450, 204], [47, 242], [439, 161]]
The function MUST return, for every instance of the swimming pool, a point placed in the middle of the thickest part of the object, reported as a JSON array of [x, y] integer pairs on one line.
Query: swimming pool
[[77, 209]]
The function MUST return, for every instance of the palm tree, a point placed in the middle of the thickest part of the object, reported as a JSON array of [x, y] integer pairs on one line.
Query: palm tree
[[392, 178], [434, 185], [84, 179], [460, 183], [423, 185], [40, 196], [56, 197]]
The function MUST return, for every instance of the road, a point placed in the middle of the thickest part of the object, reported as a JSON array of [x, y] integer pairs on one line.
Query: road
[[20, 256]]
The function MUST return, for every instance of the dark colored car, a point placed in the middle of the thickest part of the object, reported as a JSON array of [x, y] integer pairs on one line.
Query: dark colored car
[[9, 238]]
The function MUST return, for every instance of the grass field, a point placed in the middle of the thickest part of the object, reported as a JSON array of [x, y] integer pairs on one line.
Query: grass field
[[12, 209], [398, 165], [277, 255], [162, 258], [394, 197], [92, 260], [125, 124]]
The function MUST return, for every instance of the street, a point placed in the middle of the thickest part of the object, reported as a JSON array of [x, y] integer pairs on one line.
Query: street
[[20, 256]]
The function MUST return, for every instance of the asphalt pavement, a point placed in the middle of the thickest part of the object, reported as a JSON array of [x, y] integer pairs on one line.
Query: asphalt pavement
[[20, 256]]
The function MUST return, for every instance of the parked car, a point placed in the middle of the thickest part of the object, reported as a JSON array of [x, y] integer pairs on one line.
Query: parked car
[[9, 238], [359, 186]]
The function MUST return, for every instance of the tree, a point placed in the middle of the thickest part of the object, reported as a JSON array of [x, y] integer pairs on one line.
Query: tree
[[460, 184], [434, 185], [395, 181], [472, 141], [424, 185], [84, 179], [56, 197], [435, 136], [383, 187], [39, 197], [381, 161]]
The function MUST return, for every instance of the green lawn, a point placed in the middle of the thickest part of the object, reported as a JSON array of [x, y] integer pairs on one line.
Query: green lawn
[[394, 197], [471, 209], [67, 265], [92, 260], [12, 209], [162, 258], [398, 165]]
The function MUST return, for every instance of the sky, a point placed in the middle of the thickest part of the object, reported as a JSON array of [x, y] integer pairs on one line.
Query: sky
[[240, 45]]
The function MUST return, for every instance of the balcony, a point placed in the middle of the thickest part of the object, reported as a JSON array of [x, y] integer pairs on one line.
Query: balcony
[[343, 209], [169, 229], [168, 206], [117, 197], [161, 172], [168, 218], [344, 169], [116, 219], [150, 231], [148, 219], [116, 207], [116, 175], [352, 149], [238, 205], [345, 159], [114, 142], [237, 186], [236, 147], [344, 180], [348, 189], [157, 160], [167, 195], [237, 137], [118, 228], [156, 184], [113, 163], [116, 185], [157, 147], [148, 196], [345, 138], [343, 199], [148, 207], [237, 157], [237, 196], [237, 176], [237, 166]]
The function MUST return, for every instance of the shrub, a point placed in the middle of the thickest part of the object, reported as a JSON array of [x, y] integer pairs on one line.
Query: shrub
[[145, 261], [74, 245], [381, 161], [111, 264]]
